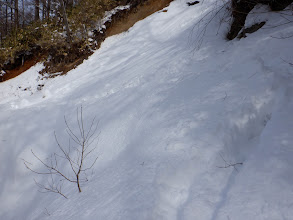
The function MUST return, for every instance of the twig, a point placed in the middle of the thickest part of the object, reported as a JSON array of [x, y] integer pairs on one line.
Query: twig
[[227, 165], [281, 38], [209, 17], [46, 212], [225, 96], [287, 62]]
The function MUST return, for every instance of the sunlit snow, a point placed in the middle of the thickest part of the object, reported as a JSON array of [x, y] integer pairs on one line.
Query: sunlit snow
[[175, 101]]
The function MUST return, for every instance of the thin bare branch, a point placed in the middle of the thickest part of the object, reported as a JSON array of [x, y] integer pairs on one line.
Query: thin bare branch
[[91, 165], [228, 164], [287, 62], [71, 133], [79, 123], [53, 168], [207, 18], [281, 38], [51, 189], [82, 126]]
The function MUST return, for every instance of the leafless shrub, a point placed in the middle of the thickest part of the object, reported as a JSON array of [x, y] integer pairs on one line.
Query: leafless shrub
[[203, 24], [75, 155]]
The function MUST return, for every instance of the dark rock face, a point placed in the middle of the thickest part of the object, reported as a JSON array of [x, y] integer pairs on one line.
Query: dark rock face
[[241, 8]]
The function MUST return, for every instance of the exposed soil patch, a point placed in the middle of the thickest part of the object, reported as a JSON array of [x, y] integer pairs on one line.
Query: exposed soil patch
[[20, 69], [126, 19], [62, 59], [72, 56]]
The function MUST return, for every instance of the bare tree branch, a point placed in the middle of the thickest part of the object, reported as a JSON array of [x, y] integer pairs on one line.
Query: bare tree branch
[[287, 62], [52, 188], [228, 164]]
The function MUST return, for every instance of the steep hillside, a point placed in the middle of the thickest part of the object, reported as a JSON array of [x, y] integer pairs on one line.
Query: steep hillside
[[191, 126], [90, 23]]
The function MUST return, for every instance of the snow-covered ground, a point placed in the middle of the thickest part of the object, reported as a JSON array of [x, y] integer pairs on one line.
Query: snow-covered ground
[[175, 101]]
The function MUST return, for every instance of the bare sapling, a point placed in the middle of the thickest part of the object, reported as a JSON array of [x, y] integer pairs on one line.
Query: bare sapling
[[78, 155]]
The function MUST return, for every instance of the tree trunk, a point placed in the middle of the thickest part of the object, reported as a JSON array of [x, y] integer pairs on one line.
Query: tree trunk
[[23, 14], [11, 15], [37, 10], [77, 182], [16, 17], [44, 9], [6, 18], [69, 4], [241, 8], [240, 11], [69, 40], [48, 9], [2, 24]]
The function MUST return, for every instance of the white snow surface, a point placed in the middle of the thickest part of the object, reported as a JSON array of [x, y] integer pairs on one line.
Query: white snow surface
[[174, 101], [108, 16]]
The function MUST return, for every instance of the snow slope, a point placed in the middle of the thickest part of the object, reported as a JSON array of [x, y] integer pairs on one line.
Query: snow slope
[[172, 106]]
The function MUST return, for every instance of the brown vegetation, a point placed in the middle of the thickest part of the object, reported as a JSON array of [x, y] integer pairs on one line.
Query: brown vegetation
[[120, 22], [61, 57]]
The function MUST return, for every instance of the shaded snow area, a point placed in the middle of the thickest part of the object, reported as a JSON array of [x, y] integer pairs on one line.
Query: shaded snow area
[[175, 102]]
